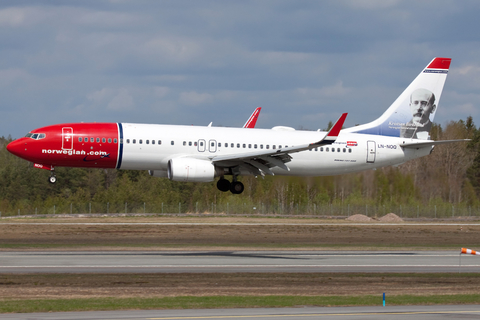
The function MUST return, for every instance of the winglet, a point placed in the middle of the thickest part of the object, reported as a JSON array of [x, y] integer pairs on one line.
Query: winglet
[[252, 121], [332, 135], [335, 130]]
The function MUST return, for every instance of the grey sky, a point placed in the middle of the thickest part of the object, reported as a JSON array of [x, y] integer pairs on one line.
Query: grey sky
[[192, 62]]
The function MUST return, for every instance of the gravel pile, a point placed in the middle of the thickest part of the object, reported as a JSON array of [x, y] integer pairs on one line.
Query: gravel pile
[[391, 217], [359, 218]]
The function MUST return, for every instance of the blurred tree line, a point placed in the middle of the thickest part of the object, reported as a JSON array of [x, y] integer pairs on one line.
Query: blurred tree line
[[450, 175]]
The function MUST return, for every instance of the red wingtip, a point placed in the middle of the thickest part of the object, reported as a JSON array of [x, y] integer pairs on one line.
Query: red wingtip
[[252, 121], [440, 63], [335, 131]]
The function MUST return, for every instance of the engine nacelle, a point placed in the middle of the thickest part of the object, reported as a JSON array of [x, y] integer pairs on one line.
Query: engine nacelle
[[191, 170], [158, 173]]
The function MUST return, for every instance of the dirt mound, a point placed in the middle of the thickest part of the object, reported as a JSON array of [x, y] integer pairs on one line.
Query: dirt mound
[[359, 218], [391, 217]]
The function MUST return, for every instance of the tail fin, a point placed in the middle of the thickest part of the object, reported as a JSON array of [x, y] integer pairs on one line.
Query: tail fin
[[411, 115]]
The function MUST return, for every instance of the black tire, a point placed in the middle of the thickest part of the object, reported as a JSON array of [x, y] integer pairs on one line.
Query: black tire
[[52, 179], [223, 185], [237, 187]]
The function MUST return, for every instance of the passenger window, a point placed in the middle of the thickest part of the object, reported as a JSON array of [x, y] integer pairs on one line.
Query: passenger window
[[268, 147], [326, 149], [226, 145], [189, 143], [273, 147], [321, 149], [280, 146], [147, 141], [219, 144], [98, 140], [349, 150], [338, 149], [195, 143], [184, 143], [333, 149], [159, 142], [92, 140], [238, 145], [140, 141], [80, 139], [316, 149], [232, 145], [172, 143], [104, 140], [344, 150], [244, 145], [250, 146], [261, 146], [212, 144], [109, 140], [115, 140], [134, 141], [201, 143], [255, 146]]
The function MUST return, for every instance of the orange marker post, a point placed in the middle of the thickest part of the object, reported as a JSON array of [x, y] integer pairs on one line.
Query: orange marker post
[[465, 251], [469, 251]]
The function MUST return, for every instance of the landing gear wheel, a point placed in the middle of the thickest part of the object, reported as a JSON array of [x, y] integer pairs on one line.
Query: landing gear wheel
[[223, 185], [236, 187], [52, 179]]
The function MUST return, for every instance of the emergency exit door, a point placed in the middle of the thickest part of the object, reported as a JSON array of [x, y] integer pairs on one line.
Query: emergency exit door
[[67, 138], [371, 151]]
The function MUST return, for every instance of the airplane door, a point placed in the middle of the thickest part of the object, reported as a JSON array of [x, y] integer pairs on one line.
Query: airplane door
[[212, 146], [201, 145], [371, 151], [67, 138]]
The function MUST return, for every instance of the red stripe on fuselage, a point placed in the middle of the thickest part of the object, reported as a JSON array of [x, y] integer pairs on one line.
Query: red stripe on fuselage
[[62, 146]]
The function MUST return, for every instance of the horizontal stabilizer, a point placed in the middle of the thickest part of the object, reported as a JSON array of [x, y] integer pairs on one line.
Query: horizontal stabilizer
[[416, 145]]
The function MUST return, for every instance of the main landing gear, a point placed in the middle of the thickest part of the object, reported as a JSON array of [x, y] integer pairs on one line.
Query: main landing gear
[[235, 187]]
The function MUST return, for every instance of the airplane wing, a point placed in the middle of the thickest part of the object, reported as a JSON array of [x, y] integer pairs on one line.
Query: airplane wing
[[260, 162], [422, 144], [252, 121]]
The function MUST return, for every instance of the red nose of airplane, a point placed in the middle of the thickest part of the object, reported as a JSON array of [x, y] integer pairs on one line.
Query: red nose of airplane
[[17, 147]]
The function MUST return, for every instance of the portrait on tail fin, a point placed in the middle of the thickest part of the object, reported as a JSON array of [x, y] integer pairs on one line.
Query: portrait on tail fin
[[422, 105]]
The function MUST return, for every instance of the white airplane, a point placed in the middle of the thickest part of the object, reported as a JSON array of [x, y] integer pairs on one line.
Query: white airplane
[[200, 154]]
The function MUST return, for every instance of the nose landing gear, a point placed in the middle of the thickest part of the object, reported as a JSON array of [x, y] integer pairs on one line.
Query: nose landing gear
[[52, 179]]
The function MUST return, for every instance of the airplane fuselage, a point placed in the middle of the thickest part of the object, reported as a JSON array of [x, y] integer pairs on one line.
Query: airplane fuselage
[[150, 147]]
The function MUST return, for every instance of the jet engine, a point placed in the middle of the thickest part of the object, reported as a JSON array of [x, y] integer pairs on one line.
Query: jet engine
[[191, 170]]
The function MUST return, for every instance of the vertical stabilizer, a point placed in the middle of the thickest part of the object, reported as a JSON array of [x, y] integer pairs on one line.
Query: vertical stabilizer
[[411, 115]]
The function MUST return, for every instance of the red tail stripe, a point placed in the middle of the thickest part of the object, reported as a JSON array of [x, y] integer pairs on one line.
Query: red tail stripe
[[440, 63]]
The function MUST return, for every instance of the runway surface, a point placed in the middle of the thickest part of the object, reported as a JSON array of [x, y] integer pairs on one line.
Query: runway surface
[[342, 313], [236, 261]]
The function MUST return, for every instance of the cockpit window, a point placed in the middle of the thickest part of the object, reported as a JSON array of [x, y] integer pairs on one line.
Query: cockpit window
[[35, 136]]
